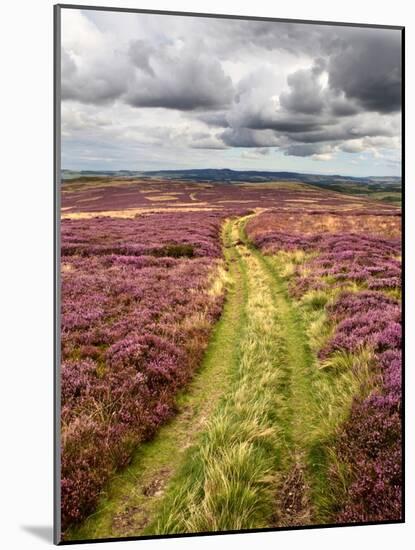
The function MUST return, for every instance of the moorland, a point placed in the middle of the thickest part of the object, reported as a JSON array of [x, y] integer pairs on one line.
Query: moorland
[[231, 351]]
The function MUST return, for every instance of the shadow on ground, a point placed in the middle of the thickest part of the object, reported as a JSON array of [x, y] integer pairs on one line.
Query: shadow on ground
[[43, 532]]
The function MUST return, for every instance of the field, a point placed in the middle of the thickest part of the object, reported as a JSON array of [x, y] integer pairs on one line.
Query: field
[[231, 356]]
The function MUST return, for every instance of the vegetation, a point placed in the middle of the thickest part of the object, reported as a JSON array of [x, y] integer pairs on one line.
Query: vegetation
[[351, 276], [225, 386]]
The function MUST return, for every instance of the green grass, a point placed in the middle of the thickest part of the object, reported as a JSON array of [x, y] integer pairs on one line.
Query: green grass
[[393, 197], [228, 481]]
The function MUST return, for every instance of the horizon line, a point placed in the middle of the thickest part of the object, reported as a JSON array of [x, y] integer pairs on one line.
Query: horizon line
[[223, 169]]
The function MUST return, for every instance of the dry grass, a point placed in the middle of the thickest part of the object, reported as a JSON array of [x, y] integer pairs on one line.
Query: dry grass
[[220, 279], [305, 201], [128, 213], [133, 212], [238, 201], [107, 182], [66, 267], [88, 199], [161, 198], [286, 185], [309, 224]]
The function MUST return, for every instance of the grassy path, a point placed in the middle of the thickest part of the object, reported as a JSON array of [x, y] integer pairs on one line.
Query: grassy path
[[293, 499], [248, 469], [248, 447]]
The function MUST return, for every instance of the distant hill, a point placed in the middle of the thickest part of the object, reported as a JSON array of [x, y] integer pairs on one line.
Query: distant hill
[[384, 188], [229, 176]]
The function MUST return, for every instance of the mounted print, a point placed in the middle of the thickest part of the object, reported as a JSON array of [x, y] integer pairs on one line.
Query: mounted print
[[228, 274]]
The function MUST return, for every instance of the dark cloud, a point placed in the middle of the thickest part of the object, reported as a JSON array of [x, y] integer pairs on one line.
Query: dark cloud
[[306, 149], [307, 135], [315, 109], [351, 128], [140, 53], [217, 119], [286, 123], [340, 106], [236, 38], [368, 69], [310, 93], [363, 63], [185, 80], [306, 91], [246, 137], [99, 84]]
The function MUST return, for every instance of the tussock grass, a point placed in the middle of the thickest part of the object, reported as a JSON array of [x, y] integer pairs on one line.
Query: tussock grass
[[394, 293], [315, 299], [287, 261], [342, 377], [228, 479], [319, 329], [332, 385], [220, 280]]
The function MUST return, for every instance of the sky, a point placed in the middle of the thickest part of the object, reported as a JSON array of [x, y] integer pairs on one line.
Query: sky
[[159, 92]]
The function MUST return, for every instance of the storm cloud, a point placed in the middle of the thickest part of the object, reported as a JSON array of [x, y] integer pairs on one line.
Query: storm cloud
[[368, 69], [230, 90], [182, 79]]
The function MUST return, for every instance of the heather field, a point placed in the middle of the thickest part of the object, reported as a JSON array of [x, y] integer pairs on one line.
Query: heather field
[[231, 357]]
